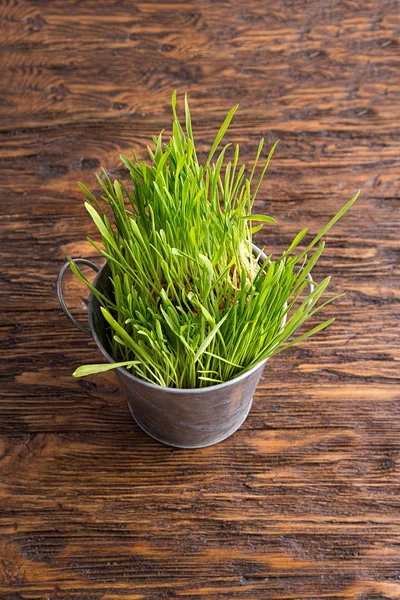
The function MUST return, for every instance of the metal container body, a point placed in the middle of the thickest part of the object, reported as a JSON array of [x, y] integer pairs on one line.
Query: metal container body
[[191, 418], [184, 418]]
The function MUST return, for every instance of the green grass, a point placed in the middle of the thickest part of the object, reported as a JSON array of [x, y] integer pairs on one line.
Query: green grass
[[191, 306]]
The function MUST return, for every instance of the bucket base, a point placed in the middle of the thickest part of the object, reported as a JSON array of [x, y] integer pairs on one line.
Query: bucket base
[[220, 439]]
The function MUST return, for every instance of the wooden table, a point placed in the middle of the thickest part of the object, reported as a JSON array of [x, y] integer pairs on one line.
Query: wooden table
[[303, 501]]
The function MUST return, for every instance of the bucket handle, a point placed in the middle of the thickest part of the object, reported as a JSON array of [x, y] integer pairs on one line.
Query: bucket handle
[[60, 296]]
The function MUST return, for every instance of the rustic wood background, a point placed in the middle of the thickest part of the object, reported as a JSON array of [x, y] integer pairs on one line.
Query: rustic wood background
[[302, 502]]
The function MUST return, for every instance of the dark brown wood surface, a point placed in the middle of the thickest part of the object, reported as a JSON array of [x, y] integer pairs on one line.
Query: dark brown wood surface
[[303, 501]]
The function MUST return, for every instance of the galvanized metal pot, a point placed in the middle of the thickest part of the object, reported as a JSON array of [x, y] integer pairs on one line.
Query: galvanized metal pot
[[184, 418]]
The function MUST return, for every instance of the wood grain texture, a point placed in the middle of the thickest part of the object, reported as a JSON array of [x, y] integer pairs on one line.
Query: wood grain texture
[[304, 501]]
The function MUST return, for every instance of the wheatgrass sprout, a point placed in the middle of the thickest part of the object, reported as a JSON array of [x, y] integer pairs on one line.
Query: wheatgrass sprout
[[191, 306]]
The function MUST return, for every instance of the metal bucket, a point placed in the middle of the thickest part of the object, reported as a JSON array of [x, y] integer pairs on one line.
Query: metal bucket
[[184, 418]]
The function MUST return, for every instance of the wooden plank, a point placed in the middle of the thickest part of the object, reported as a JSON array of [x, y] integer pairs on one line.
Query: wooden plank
[[302, 502], [114, 516]]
